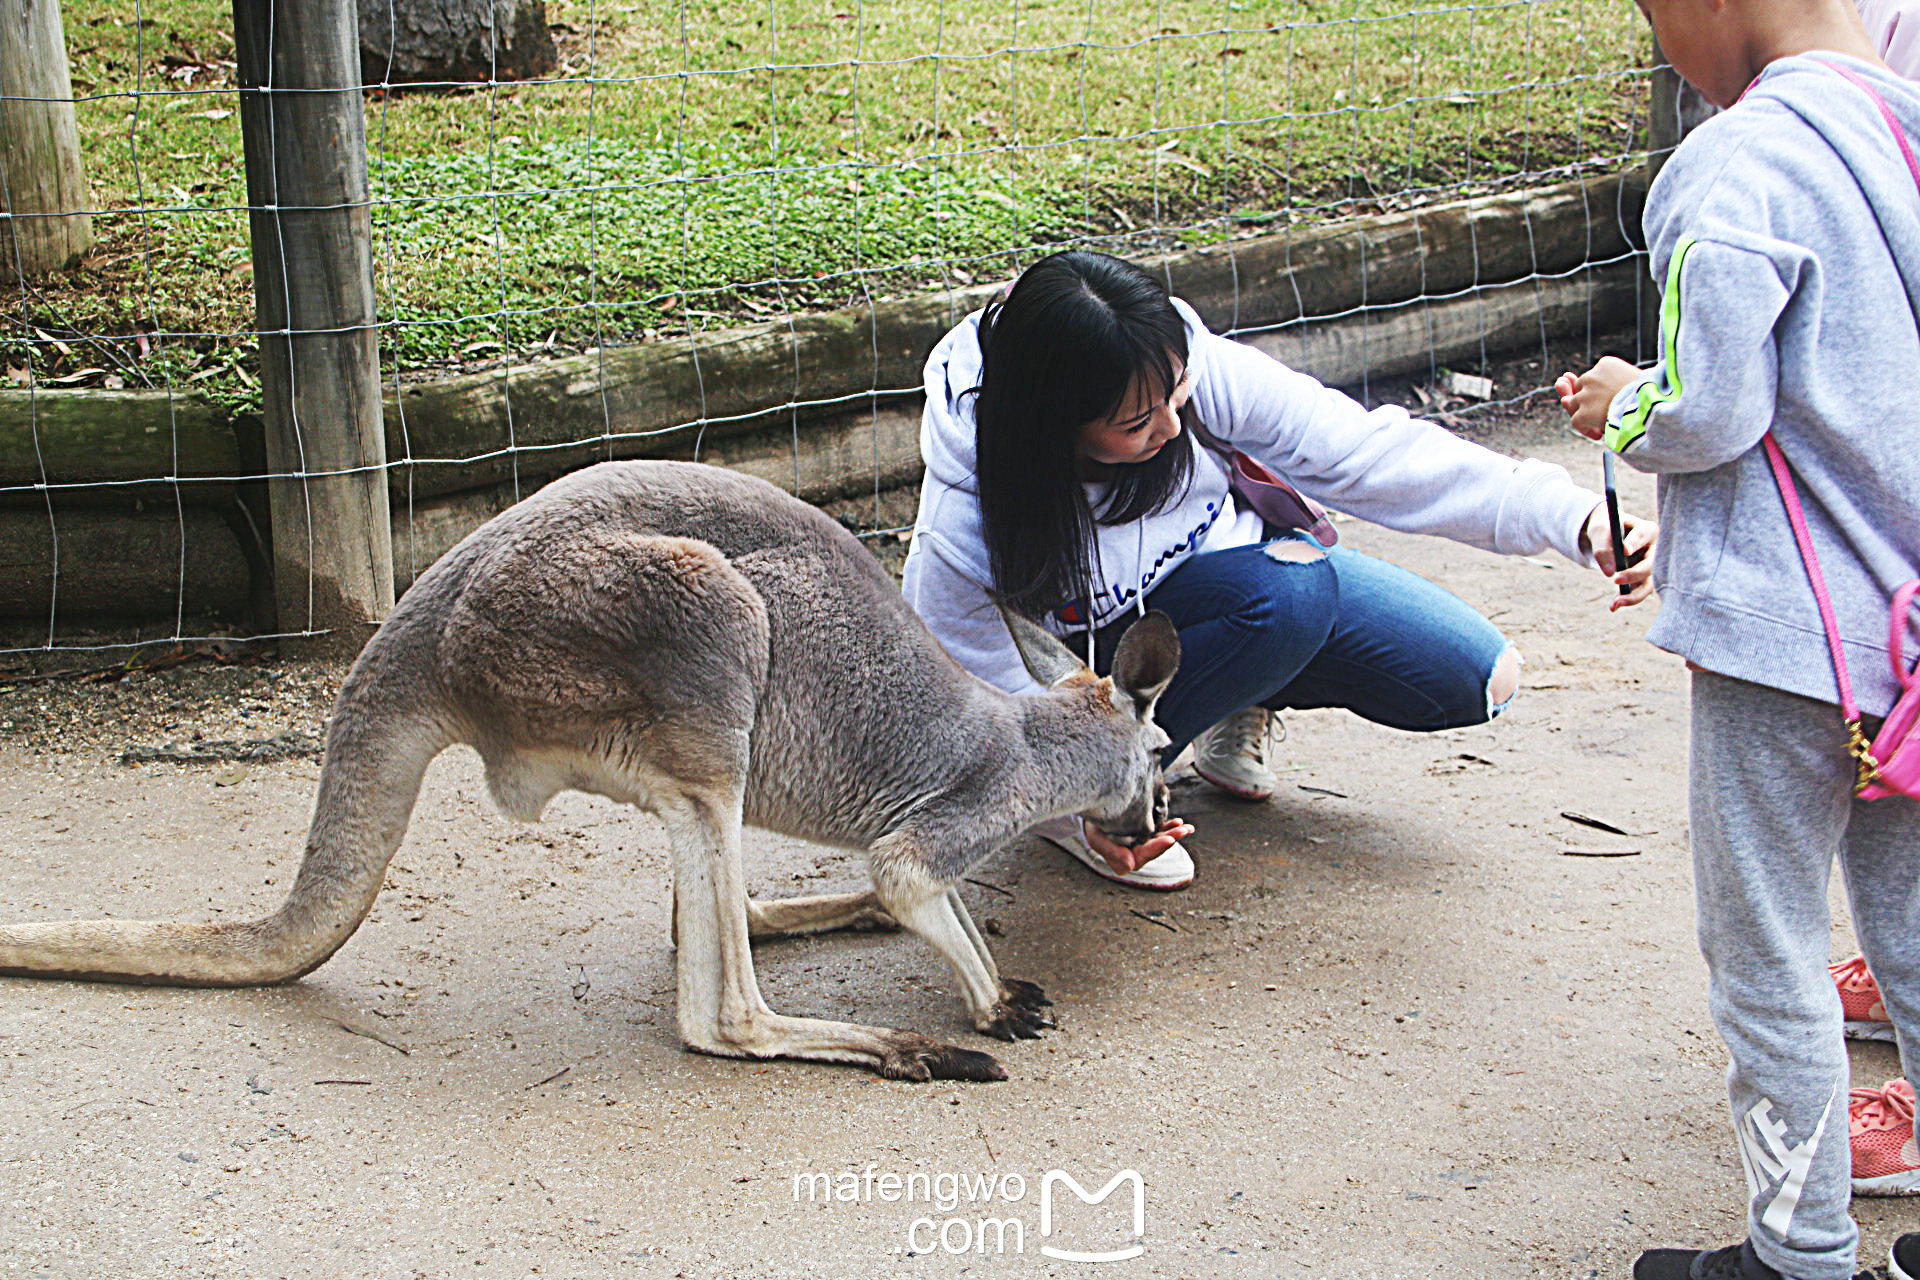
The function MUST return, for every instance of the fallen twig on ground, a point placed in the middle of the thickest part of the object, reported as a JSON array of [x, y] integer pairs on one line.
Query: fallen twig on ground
[[374, 1036]]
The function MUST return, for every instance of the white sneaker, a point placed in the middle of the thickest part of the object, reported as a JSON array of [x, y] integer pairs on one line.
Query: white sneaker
[[1232, 756], [1171, 870]]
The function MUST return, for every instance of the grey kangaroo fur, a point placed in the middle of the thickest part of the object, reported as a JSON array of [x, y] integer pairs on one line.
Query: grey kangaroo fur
[[706, 647]]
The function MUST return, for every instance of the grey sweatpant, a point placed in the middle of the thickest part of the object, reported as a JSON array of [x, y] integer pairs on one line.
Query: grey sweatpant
[[1771, 799]]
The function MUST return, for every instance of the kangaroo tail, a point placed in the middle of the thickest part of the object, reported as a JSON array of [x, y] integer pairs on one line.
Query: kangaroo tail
[[377, 754]]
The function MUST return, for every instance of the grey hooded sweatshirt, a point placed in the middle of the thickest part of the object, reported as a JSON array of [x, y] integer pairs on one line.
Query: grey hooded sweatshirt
[[1782, 227], [1381, 465]]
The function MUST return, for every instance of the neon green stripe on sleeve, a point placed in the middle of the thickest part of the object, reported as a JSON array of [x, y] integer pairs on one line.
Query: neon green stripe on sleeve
[[1664, 389]]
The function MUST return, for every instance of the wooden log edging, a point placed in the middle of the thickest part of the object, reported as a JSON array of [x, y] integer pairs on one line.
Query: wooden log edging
[[157, 561], [115, 448]]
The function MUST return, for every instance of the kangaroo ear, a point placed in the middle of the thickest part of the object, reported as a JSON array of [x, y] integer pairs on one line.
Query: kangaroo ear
[[1144, 664], [1046, 658]]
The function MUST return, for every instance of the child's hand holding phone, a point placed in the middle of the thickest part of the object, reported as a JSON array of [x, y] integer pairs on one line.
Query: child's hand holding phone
[[1585, 396]]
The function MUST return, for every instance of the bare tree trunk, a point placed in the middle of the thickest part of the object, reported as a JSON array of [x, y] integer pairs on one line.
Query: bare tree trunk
[[454, 40], [42, 186]]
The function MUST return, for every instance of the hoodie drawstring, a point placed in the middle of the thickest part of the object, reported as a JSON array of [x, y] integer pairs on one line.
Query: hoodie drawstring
[[1139, 554], [1139, 597]]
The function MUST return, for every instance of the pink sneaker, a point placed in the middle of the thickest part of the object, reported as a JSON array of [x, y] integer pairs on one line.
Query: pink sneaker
[[1886, 1162], [1860, 1001]]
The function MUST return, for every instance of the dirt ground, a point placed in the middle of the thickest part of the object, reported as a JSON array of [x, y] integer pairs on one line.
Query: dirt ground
[[1392, 1031]]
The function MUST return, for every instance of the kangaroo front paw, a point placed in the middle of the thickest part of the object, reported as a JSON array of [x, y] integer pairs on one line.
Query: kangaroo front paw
[[921, 1059], [1010, 1022], [1023, 995]]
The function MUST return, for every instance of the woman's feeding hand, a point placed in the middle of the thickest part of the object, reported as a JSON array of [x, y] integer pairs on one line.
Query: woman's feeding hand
[[1585, 396], [1127, 859], [1641, 535]]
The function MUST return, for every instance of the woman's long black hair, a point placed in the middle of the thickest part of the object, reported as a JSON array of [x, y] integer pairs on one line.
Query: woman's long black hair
[[1063, 350]]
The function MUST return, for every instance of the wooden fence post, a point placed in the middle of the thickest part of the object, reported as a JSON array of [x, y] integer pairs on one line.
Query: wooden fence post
[[304, 126], [40, 171]]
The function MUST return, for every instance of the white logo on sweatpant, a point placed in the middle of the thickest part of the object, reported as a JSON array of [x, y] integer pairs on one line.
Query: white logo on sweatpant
[[1763, 1151]]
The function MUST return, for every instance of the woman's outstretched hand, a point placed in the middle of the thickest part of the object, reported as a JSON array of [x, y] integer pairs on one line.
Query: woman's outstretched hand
[[1585, 396], [1641, 534], [1127, 859]]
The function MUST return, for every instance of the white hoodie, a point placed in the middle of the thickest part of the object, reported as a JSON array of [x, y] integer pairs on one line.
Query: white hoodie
[[1894, 26], [1383, 466]]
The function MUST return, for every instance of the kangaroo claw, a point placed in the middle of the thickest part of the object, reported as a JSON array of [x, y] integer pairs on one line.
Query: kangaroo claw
[[1009, 1022]]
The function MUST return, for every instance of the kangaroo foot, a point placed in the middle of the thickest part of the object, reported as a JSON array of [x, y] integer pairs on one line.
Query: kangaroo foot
[[887, 1051], [899, 1055], [921, 1058], [1023, 995], [1011, 1022]]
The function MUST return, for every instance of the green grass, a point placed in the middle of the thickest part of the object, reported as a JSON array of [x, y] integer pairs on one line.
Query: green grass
[[704, 163]]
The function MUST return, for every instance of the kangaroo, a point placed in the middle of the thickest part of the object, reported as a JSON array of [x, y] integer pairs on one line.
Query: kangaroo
[[704, 646]]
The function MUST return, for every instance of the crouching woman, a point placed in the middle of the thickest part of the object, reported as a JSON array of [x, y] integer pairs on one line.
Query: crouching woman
[[1079, 439]]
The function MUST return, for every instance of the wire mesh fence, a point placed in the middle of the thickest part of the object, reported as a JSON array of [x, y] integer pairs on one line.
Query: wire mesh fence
[[588, 259]]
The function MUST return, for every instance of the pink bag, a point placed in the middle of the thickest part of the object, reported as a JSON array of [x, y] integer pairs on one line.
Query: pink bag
[[1266, 494], [1277, 502], [1890, 764]]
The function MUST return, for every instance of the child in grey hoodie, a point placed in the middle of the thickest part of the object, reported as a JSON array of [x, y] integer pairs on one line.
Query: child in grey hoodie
[[1787, 231]]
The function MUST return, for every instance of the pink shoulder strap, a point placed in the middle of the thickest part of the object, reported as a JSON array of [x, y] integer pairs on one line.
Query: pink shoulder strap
[[1897, 632], [1886, 113], [1791, 496]]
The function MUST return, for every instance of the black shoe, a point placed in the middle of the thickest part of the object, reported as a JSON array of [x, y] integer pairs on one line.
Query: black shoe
[[1903, 1263], [1735, 1262], [1740, 1262]]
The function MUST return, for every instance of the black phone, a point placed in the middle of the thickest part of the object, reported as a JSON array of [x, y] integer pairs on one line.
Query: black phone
[[1620, 560]]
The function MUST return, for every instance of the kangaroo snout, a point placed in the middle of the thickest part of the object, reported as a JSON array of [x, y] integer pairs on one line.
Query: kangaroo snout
[[1142, 819]]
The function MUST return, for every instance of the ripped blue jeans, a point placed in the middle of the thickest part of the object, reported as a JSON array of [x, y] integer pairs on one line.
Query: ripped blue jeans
[[1299, 630]]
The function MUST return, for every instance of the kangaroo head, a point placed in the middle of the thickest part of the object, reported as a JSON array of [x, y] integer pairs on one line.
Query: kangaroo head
[[1119, 709]]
